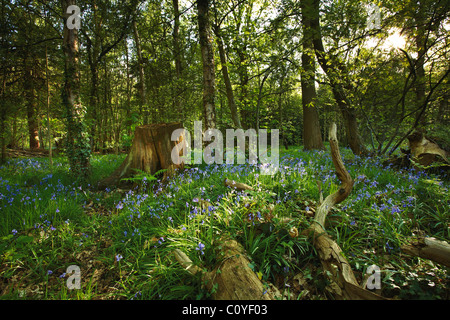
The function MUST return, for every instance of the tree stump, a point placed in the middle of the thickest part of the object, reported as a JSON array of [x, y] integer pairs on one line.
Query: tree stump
[[150, 152]]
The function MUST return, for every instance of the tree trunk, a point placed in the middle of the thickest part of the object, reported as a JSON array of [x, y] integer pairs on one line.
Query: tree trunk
[[177, 57], [129, 120], [312, 138], [3, 120], [93, 101], [49, 128], [226, 79], [93, 48], [78, 148], [206, 47], [443, 111], [420, 40], [31, 106], [141, 86], [335, 72], [150, 152]]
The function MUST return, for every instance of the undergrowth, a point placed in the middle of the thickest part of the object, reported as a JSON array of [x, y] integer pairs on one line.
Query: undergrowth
[[123, 240]]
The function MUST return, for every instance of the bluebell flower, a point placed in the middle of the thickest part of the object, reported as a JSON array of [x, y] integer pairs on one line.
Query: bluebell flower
[[200, 247], [395, 209]]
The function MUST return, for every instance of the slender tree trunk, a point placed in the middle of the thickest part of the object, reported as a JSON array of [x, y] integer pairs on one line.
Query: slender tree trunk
[[30, 94], [258, 103], [93, 48], [78, 149], [141, 85], [93, 101], [206, 46], [336, 74], [226, 79], [13, 141], [177, 57], [312, 138], [280, 113], [129, 121], [420, 40], [49, 128], [3, 120], [443, 111]]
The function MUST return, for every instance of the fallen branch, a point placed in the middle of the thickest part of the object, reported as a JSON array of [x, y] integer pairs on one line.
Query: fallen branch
[[429, 248], [343, 283], [238, 185], [232, 278], [241, 186], [342, 174], [186, 263]]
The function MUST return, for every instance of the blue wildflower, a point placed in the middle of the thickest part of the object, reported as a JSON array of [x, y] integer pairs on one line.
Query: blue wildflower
[[200, 247]]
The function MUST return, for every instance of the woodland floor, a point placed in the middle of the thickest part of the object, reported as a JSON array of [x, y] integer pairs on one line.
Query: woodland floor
[[123, 240]]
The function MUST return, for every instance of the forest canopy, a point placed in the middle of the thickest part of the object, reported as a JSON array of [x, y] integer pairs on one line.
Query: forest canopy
[[379, 69]]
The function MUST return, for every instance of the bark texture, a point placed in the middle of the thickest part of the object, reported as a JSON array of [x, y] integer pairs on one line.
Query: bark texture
[[312, 138], [231, 279], [150, 152], [78, 146], [429, 248], [424, 151], [206, 47]]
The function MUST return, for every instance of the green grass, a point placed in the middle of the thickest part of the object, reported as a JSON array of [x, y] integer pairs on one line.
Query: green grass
[[123, 242]]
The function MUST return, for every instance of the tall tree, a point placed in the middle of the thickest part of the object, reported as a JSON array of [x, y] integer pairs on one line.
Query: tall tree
[[336, 73], [78, 146], [141, 84], [177, 56], [31, 102], [312, 138], [224, 66], [206, 47]]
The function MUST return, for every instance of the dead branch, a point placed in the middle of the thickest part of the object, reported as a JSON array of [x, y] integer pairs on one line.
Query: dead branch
[[231, 278], [343, 283], [429, 248], [238, 185]]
